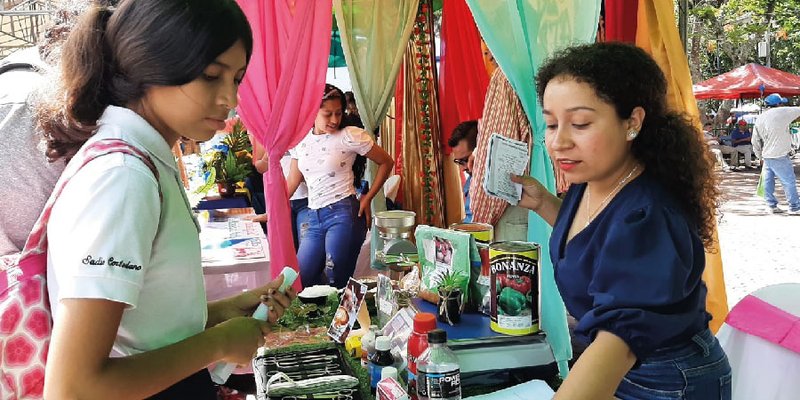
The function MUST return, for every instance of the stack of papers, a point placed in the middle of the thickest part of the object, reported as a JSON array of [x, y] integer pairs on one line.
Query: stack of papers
[[506, 156], [230, 240]]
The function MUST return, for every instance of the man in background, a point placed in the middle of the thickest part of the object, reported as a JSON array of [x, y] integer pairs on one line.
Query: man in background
[[772, 143], [463, 142], [741, 138], [717, 148]]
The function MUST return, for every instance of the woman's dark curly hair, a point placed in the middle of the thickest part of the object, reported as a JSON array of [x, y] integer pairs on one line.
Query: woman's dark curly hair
[[669, 145], [360, 163]]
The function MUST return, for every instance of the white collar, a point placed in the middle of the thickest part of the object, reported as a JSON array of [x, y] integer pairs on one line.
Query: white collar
[[139, 133]]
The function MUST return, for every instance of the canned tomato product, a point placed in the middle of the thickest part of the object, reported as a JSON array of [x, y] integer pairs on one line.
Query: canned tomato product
[[514, 286], [483, 234]]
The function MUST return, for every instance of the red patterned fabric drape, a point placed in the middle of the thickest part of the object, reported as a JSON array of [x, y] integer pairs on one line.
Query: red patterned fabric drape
[[462, 77], [398, 135], [620, 20], [502, 114]]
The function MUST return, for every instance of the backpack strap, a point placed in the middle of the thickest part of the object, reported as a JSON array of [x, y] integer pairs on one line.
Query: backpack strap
[[37, 240]]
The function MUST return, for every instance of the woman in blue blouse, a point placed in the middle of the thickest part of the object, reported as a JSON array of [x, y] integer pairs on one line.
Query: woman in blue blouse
[[628, 239]]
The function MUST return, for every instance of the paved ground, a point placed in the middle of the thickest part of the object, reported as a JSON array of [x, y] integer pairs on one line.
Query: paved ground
[[758, 248]]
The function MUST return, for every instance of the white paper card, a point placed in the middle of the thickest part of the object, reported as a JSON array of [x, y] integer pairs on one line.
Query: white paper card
[[532, 390], [506, 156]]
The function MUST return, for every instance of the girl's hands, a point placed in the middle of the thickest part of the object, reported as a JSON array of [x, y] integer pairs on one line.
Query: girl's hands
[[365, 210], [245, 304], [259, 218], [240, 337]]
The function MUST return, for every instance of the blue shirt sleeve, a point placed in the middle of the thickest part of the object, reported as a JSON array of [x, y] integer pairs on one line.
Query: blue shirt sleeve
[[738, 135], [646, 288]]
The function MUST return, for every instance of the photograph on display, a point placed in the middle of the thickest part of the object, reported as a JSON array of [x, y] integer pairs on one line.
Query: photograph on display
[[347, 312]]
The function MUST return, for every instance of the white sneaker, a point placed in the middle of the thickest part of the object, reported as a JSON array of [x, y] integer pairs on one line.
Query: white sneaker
[[794, 212], [777, 210]]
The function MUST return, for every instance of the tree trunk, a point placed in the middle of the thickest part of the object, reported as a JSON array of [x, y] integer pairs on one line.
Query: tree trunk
[[695, 50], [723, 112]]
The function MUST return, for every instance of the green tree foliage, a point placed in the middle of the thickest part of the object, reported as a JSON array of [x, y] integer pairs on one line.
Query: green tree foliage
[[724, 34]]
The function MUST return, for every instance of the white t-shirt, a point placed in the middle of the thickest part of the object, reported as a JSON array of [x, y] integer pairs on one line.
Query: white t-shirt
[[326, 162], [111, 238], [302, 189], [771, 135]]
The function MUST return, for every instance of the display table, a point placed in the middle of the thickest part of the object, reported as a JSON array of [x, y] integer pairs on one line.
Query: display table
[[761, 337], [235, 252], [480, 349], [215, 203]]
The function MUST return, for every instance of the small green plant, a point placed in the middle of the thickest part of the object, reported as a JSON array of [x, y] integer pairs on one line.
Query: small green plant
[[451, 297], [233, 170], [237, 139], [231, 160], [449, 283]]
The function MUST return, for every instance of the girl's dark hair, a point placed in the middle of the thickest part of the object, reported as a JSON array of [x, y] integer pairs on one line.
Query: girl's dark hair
[[360, 164], [113, 56], [669, 144]]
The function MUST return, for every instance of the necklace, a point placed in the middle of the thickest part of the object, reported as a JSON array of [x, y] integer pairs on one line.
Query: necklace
[[612, 193]]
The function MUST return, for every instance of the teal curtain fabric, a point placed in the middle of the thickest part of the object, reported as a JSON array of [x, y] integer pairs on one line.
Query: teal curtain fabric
[[521, 34]]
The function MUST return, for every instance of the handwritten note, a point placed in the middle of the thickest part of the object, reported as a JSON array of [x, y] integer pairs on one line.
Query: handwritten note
[[506, 156]]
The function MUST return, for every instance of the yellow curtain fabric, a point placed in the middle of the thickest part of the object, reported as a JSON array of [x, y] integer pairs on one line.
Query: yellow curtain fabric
[[488, 59], [657, 34], [453, 191]]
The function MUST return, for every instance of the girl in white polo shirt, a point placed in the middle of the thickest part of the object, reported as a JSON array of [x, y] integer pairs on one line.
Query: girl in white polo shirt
[[335, 225], [124, 275]]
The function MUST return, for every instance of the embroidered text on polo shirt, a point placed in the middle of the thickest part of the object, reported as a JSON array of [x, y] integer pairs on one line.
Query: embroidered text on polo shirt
[[89, 260]]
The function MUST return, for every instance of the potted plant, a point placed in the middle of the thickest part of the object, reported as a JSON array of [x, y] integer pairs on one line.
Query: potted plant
[[233, 171], [230, 162], [451, 298]]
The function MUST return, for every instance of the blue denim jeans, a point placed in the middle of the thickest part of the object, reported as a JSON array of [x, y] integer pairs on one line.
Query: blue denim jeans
[[330, 240], [299, 208], [695, 370], [784, 170]]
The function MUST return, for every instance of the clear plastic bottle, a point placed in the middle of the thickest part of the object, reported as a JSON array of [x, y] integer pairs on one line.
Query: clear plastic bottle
[[417, 343], [438, 373], [368, 345]]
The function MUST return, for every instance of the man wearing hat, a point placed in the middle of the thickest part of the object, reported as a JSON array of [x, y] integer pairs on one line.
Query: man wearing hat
[[772, 142], [740, 138]]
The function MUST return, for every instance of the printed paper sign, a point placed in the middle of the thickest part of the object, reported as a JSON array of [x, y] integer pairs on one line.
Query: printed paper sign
[[345, 316]]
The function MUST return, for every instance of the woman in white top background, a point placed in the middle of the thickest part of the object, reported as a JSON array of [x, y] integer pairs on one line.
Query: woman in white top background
[[333, 229], [124, 276]]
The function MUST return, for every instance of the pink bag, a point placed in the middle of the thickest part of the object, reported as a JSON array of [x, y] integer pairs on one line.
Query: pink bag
[[25, 318]]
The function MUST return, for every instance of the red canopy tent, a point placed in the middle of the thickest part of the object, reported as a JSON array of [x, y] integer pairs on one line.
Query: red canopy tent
[[748, 81]]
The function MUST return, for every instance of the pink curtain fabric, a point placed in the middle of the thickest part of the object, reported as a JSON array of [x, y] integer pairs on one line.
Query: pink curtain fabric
[[462, 76], [280, 95]]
